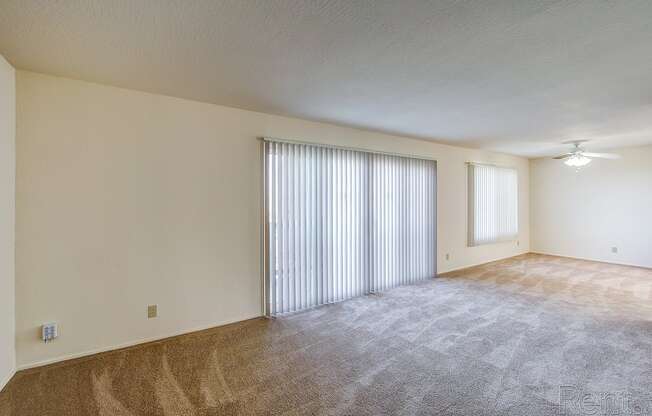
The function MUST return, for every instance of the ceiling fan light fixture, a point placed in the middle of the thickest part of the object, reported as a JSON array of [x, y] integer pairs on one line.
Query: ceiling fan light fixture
[[577, 161]]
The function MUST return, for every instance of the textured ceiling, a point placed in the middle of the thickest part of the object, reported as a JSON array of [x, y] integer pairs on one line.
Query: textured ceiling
[[517, 76]]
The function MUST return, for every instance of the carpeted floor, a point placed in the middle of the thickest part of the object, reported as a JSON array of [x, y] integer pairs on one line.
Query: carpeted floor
[[531, 335]]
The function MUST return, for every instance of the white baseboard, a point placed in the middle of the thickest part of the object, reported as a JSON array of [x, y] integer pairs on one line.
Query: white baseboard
[[8, 377], [202, 328], [127, 344], [454, 269], [545, 253]]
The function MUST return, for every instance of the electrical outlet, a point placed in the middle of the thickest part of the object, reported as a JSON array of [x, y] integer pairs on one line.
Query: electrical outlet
[[152, 311], [49, 331], [518, 243], [614, 250], [448, 256]]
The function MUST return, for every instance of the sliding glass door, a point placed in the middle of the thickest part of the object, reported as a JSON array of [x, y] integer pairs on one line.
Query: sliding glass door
[[342, 223]]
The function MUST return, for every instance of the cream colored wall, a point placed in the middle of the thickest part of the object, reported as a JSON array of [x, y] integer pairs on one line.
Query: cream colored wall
[[587, 212], [7, 202], [126, 199]]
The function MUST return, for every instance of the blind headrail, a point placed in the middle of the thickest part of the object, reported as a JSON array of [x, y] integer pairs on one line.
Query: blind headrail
[[355, 149], [490, 164]]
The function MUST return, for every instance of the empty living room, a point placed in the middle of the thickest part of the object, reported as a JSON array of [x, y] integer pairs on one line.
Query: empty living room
[[325, 207]]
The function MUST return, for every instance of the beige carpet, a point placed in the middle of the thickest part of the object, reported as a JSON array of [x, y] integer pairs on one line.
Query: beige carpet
[[532, 335]]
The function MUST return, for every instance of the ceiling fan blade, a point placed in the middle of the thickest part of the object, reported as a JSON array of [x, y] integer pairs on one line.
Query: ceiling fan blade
[[575, 141], [566, 156], [602, 155]]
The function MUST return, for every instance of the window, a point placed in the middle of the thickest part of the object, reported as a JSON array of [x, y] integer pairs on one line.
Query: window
[[493, 204], [342, 223]]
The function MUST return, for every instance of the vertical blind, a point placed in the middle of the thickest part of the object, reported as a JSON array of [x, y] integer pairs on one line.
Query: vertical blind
[[342, 223], [493, 204]]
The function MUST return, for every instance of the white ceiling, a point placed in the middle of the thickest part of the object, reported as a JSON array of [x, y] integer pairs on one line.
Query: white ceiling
[[518, 76]]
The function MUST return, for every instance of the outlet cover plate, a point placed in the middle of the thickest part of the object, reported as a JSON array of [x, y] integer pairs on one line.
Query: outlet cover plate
[[49, 331]]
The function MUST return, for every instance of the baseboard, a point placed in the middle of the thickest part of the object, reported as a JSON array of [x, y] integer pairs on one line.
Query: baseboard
[[468, 266], [7, 379], [141, 341], [590, 259], [128, 344]]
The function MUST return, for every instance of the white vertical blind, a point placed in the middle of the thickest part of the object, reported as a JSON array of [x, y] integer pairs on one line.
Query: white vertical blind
[[493, 204], [342, 223]]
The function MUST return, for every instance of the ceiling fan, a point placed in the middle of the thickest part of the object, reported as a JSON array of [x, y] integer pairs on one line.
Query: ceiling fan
[[578, 157]]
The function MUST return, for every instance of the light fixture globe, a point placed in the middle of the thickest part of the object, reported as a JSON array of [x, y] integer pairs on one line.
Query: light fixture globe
[[577, 160]]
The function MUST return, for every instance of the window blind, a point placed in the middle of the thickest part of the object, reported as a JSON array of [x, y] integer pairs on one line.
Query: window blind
[[342, 223], [493, 204]]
